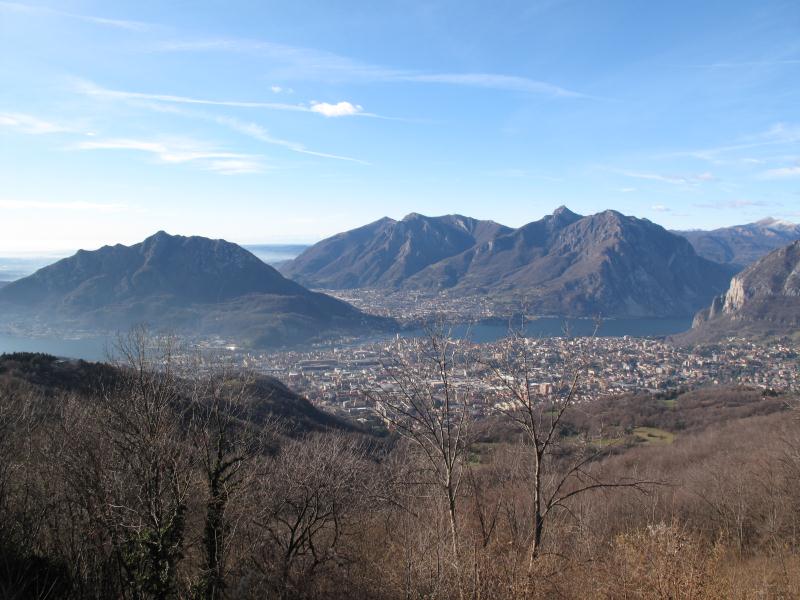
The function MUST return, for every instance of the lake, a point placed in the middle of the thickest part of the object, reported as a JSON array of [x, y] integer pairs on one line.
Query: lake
[[94, 349], [87, 348]]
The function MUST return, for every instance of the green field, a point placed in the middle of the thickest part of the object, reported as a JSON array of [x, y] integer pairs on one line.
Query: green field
[[652, 435]]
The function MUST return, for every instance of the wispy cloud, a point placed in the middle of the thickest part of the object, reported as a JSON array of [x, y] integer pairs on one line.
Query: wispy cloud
[[781, 172], [518, 173], [192, 108], [730, 204], [138, 26], [306, 63], [777, 135], [492, 81], [68, 206], [668, 178], [25, 123], [660, 208], [509, 172], [256, 131], [340, 109], [178, 152], [748, 64], [90, 89]]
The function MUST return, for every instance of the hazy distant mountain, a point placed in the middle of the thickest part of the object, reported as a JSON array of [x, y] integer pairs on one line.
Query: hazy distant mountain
[[564, 264], [742, 245], [183, 283], [276, 254], [4, 283], [387, 252], [569, 264], [762, 300]]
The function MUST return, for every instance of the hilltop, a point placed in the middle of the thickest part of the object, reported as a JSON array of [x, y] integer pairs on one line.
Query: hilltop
[[191, 284]]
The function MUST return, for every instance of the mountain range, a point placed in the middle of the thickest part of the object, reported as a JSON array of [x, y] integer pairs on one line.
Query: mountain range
[[563, 264], [742, 245], [180, 283], [387, 252], [763, 300]]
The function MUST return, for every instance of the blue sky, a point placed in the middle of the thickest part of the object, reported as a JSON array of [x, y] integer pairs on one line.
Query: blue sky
[[287, 121]]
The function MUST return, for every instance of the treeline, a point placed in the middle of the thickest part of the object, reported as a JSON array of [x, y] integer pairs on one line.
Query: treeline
[[162, 477]]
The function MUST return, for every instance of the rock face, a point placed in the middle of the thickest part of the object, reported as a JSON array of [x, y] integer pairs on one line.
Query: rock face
[[743, 245], [387, 252], [762, 300], [181, 283], [563, 264]]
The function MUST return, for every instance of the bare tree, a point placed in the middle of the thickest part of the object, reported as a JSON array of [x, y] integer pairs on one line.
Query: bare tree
[[227, 444], [23, 506], [560, 468], [149, 473], [311, 492], [427, 403]]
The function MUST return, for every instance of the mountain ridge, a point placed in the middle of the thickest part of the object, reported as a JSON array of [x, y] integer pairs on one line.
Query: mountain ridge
[[564, 263], [385, 252], [742, 245], [761, 301]]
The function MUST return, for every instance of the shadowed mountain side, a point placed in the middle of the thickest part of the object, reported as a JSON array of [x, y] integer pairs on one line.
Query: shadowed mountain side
[[385, 253], [52, 378], [606, 264], [564, 264], [182, 283]]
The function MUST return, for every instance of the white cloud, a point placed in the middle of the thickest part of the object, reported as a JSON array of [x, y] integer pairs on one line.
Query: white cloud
[[660, 208], [178, 152], [340, 109], [25, 123], [69, 206]]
